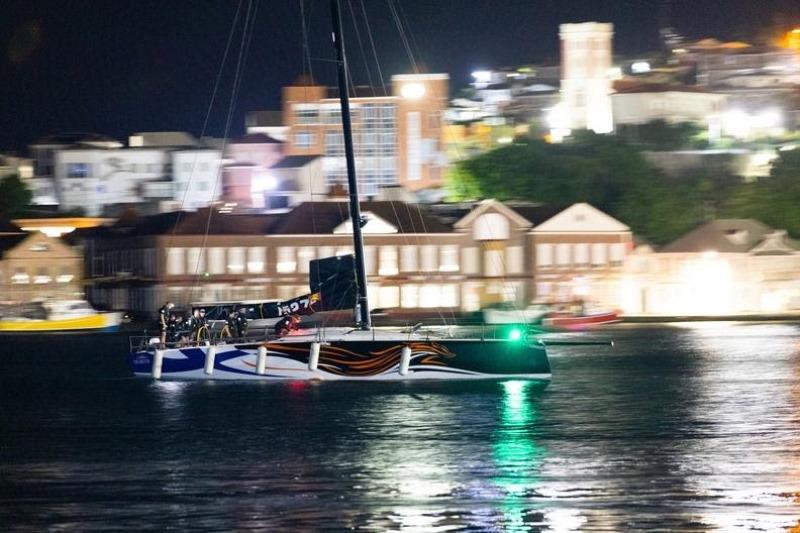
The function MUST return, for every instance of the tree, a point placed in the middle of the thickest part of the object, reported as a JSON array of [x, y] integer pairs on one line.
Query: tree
[[15, 197], [604, 171], [773, 200]]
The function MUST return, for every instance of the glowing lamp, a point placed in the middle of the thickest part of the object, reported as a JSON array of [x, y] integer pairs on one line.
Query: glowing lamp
[[515, 334], [412, 91]]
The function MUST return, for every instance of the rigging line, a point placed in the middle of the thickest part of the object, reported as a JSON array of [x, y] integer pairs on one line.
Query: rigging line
[[306, 55], [361, 47], [372, 43], [247, 30], [402, 33], [208, 112], [404, 18]]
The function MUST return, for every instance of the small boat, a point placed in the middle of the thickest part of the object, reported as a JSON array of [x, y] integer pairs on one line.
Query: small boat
[[566, 321], [508, 314], [57, 315], [360, 353]]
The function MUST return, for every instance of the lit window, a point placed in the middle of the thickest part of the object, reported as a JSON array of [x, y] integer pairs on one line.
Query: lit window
[[598, 254], [78, 170], [429, 296], [408, 259], [369, 259], [409, 296], [236, 260], [286, 259], [20, 277], [42, 276], [256, 257], [216, 260], [175, 264], [66, 276], [428, 258], [304, 256], [582, 254], [616, 253], [448, 259], [562, 254], [194, 260], [470, 260], [388, 261], [493, 262], [544, 254], [304, 139], [389, 297], [514, 260]]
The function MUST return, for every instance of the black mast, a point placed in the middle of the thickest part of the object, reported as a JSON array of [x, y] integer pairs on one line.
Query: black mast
[[352, 185]]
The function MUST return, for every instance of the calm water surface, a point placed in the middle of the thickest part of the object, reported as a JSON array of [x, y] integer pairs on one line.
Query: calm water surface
[[683, 429]]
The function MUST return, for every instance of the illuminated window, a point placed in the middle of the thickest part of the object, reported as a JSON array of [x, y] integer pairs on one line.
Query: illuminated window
[[216, 260], [429, 296], [470, 260], [65, 276], [195, 260], [286, 261], [306, 114], [616, 253], [175, 261], [389, 297], [388, 261], [493, 262], [428, 257], [20, 276], [448, 258], [408, 259], [236, 260], [256, 257], [42, 276], [562, 254], [448, 295], [304, 139], [581, 254], [598, 254], [369, 259], [514, 260], [409, 296], [79, 170], [304, 256]]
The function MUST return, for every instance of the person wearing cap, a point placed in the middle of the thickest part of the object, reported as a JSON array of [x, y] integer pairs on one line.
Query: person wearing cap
[[164, 320]]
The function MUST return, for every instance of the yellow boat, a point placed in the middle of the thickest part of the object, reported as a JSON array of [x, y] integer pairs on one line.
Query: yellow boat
[[58, 315]]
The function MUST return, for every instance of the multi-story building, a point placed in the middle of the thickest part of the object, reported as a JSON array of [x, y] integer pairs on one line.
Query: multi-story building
[[458, 258], [639, 103], [36, 266], [397, 135]]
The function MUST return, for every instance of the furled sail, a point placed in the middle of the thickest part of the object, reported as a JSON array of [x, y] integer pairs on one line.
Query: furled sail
[[334, 279]]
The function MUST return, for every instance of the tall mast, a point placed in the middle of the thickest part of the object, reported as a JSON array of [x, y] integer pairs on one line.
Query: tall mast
[[352, 185]]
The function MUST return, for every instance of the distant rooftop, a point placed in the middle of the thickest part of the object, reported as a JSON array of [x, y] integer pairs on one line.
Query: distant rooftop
[[256, 138], [162, 138], [264, 119], [72, 138], [295, 161], [723, 236]]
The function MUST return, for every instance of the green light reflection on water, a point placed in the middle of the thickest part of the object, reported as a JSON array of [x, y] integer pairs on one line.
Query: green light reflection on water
[[516, 454]]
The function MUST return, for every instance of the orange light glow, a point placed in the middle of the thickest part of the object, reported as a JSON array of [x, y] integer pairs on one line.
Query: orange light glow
[[791, 39]]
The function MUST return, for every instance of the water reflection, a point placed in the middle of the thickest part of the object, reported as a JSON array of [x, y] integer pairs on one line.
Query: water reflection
[[517, 456]]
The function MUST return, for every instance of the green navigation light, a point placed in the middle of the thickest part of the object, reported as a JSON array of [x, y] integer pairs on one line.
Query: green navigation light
[[514, 335]]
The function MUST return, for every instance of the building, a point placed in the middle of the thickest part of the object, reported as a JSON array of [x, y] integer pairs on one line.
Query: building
[[457, 257], [724, 267], [586, 77], [639, 103], [397, 134], [35, 266], [246, 177], [11, 165]]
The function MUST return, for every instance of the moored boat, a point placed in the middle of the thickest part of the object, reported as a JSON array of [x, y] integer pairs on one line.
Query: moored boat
[[57, 315]]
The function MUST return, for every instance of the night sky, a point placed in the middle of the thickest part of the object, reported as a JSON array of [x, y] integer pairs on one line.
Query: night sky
[[117, 67]]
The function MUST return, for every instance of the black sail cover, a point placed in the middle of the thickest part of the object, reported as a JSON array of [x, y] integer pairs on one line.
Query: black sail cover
[[332, 281]]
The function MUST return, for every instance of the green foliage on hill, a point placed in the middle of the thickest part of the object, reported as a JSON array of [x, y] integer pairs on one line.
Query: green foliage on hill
[[604, 171], [15, 197]]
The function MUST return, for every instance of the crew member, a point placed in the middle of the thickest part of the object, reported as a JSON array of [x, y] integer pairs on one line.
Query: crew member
[[163, 319], [286, 325], [230, 324], [241, 323]]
